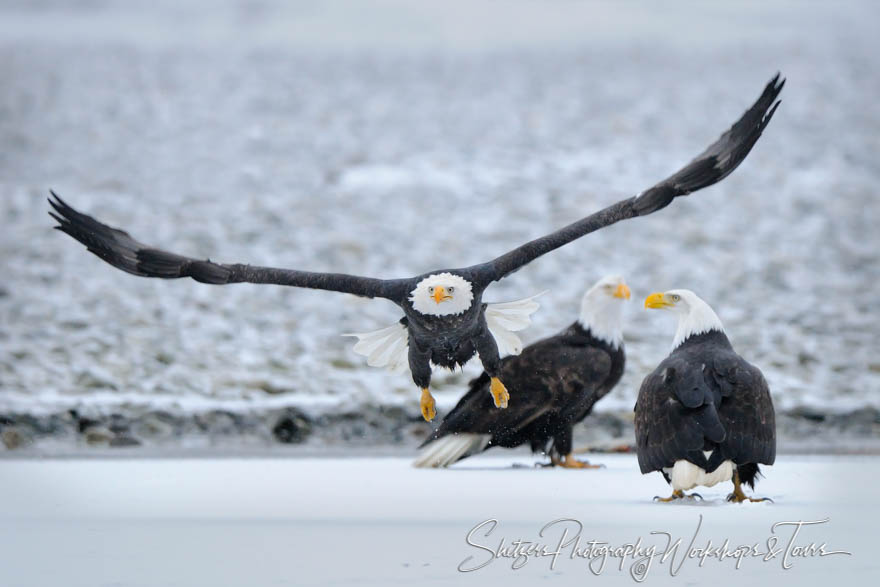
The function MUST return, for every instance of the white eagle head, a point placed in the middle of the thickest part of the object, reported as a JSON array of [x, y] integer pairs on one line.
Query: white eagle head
[[694, 315], [442, 294], [602, 309]]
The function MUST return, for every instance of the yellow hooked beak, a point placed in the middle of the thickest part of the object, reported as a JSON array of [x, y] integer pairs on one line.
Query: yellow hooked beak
[[440, 294], [657, 301], [622, 291]]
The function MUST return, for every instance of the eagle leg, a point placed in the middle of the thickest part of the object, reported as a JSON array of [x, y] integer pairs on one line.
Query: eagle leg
[[738, 496], [499, 393], [569, 462], [428, 405], [678, 494]]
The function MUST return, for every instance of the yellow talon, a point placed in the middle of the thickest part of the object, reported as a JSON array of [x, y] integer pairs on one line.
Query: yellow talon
[[678, 494], [428, 405], [569, 462], [499, 393], [738, 496]]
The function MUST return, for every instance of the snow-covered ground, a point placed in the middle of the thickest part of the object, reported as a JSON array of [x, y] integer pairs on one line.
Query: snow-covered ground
[[377, 521], [388, 140]]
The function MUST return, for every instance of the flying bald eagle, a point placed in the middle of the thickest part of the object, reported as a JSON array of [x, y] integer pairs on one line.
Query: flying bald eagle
[[445, 321], [556, 382], [704, 415]]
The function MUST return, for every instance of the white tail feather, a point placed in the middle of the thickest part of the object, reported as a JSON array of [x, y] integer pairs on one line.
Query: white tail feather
[[449, 449], [508, 317], [685, 475], [388, 347]]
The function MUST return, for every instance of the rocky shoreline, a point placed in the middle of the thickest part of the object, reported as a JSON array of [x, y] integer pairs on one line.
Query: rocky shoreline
[[372, 428]]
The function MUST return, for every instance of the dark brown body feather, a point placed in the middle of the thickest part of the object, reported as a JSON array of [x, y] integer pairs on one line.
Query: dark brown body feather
[[553, 385], [705, 397]]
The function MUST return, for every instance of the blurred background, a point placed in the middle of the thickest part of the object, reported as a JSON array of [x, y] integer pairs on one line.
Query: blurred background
[[388, 138]]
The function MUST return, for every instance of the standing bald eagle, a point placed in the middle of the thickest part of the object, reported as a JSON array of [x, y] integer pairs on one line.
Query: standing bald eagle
[[556, 382], [445, 321], [704, 415]]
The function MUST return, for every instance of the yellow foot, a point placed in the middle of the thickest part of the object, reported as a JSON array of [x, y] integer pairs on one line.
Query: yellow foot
[[677, 494], [499, 393], [428, 405], [738, 497], [569, 462]]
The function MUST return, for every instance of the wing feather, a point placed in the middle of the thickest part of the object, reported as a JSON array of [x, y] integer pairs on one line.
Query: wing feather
[[119, 249], [676, 412], [747, 413], [714, 164], [507, 318], [683, 405], [386, 347], [550, 378]]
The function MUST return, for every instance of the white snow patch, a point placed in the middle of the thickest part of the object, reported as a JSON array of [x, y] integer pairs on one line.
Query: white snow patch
[[379, 521]]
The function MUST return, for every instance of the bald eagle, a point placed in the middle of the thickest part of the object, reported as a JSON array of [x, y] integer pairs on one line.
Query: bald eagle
[[445, 321], [704, 415], [556, 382]]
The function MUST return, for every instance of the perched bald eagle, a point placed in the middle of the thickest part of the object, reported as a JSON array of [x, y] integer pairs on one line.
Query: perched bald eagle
[[445, 321], [555, 382], [704, 415]]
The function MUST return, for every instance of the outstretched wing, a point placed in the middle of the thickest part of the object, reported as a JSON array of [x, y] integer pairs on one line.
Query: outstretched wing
[[119, 249], [711, 166]]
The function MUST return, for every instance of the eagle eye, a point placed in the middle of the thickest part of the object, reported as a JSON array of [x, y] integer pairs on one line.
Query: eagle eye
[[431, 290], [450, 289], [675, 297]]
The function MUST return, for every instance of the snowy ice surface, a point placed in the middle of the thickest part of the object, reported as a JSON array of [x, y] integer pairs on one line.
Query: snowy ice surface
[[387, 140], [378, 521]]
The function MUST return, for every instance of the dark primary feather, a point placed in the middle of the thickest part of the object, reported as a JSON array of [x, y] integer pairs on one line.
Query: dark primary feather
[[450, 341], [720, 158], [553, 384], [711, 166], [118, 248], [122, 251], [704, 397], [110, 244]]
